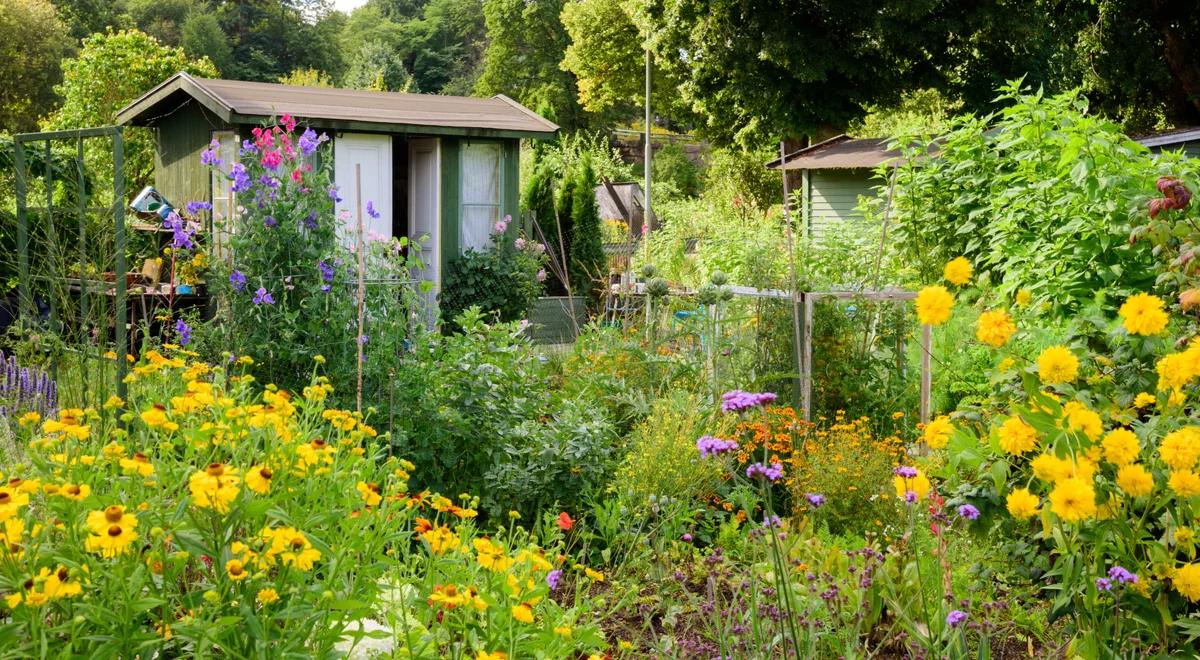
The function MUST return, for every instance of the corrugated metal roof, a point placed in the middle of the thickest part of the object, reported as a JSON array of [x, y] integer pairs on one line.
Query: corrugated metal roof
[[238, 100], [841, 152]]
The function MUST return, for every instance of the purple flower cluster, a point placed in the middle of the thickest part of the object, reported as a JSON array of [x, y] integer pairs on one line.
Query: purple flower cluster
[[309, 141], [310, 221], [552, 579], [184, 331], [1103, 584], [969, 512], [269, 222], [25, 389], [262, 296], [714, 446], [238, 280], [771, 473], [241, 178], [905, 472], [181, 234], [817, 500], [209, 155], [193, 208], [1122, 575], [736, 401], [955, 618], [372, 211]]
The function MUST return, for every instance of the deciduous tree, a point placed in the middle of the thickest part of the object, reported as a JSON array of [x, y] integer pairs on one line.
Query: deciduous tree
[[33, 39]]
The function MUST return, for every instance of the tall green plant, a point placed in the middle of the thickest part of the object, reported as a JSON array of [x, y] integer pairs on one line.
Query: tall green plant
[[587, 250]]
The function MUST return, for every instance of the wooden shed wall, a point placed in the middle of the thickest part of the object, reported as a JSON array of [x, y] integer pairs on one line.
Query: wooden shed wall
[[178, 173], [832, 195]]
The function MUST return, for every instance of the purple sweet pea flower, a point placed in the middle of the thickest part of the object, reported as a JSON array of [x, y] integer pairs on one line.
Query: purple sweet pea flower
[[269, 222], [184, 332], [209, 155], [552, 578], [237, 280], [955, 618], [969, 512], [240, 178], [310, 221], [262, 296], [193, 208], [371, 210], [333, 194], [713, 446], [309, 141]]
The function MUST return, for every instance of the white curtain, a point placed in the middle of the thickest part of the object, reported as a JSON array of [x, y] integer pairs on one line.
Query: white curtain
[[224, 208], [480, 194]]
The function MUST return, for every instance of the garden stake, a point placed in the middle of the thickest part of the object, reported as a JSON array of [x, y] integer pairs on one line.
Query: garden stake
[[361, 282]]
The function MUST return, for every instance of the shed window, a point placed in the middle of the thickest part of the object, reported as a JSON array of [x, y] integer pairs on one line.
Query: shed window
[[480, 194], [223, 200]]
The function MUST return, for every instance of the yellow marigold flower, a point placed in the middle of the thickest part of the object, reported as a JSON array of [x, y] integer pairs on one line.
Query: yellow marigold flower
[[1073, 500], [938, 432], [1180, 449], [491, 555], [1121, 447], [215, 487], [494, 655], [441, 539], [235, 570], [994, 328], [266, 596], [1057, 365], [29, 419], [934, 304], [1177, 370], [563, 631], [1049, 467], [112, 541], [1144, 399], [370, 493], [522, 613], [1017, 437], [1185, 483], [1186, 580], [1143, 314], [958, 271], [138, 464], [258, 479], [11, 500]]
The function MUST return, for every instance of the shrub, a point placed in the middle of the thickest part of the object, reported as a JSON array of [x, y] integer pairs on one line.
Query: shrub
[[676, 173], [502, 281], [661, 458], [587, 260]]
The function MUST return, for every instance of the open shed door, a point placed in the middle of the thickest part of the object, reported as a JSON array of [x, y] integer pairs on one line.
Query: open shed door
[[373, 153], [424, 213]]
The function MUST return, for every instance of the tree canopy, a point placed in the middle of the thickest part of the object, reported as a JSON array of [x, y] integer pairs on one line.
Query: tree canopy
[[33, 41]]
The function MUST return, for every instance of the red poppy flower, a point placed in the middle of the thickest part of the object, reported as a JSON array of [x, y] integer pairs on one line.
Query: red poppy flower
[[565, 522]]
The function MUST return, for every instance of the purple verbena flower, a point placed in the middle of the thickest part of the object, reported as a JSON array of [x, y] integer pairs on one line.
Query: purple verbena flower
[[713, 446], [910, 497], [262, 296], [770, 473], [955, 618], [737, 401], [1122, 575], [969, 512], [552, 578], [1103, 584], [815, 499], [237, 280], [905, 471]]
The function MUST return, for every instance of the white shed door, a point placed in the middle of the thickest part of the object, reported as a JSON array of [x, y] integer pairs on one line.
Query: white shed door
[[371, 155], [425, 210]]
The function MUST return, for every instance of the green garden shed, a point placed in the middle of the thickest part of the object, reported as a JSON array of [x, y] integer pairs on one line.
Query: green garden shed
[[832, 176], [439, 169]]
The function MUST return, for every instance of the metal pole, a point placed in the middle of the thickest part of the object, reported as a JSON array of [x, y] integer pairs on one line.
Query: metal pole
[[800, 352], [648, 221], [121, 313], [24, 300], [361, 284]]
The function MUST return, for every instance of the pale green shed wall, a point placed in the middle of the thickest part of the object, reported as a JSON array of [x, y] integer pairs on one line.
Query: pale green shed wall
[[831, 196]]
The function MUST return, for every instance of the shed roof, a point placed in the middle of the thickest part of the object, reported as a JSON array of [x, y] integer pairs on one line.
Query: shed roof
[[239, 101], [1173, 137], [841, 152]]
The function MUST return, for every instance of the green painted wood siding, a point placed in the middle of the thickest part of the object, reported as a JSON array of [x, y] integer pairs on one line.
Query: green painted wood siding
[[178, 174], [451, 158], [832, 195]]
